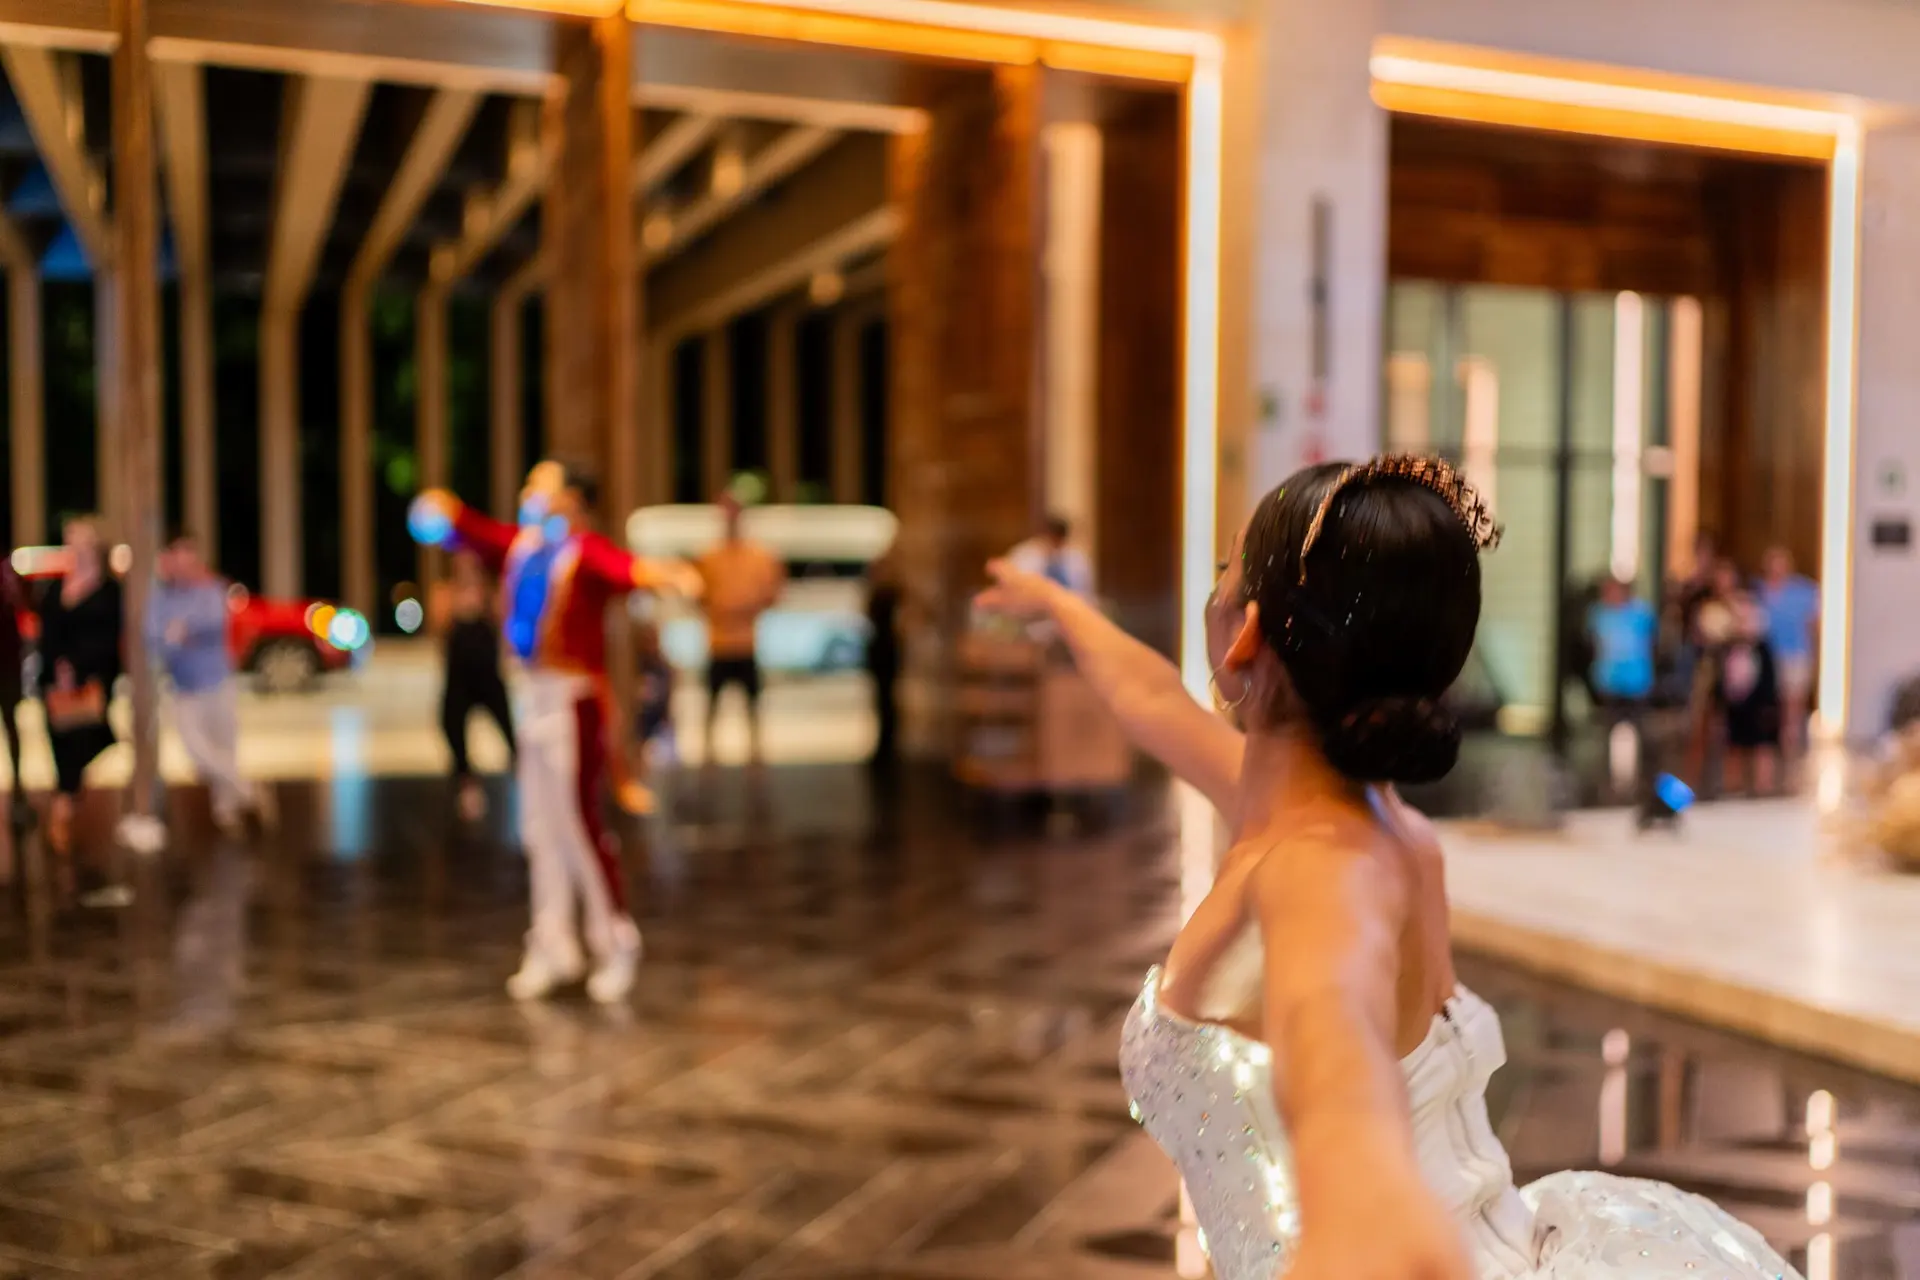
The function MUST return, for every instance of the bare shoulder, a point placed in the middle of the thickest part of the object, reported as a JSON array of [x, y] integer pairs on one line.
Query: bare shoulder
[[1322, 864]]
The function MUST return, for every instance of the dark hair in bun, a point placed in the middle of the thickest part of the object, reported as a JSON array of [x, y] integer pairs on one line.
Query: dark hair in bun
[[1371, 600]]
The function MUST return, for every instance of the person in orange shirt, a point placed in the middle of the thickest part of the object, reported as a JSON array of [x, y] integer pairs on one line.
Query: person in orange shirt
[[740, 580]]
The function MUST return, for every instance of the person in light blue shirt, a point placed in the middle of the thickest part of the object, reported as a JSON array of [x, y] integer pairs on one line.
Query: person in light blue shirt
[[1625, 630], [1792, 603], [187, 618]]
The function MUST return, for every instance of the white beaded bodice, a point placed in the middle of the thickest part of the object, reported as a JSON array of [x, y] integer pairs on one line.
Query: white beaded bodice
[[1205, 1093]]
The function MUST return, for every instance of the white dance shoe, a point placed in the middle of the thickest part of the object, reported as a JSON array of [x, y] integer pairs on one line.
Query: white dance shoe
[[612, 978], [541, 971]]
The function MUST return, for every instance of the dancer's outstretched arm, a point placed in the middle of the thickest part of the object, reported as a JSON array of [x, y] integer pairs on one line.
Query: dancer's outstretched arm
[[1331, 918], [1138, 684]]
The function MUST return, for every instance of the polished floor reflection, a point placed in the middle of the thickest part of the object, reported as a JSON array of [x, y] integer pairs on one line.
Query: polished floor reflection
[[870, 1040]]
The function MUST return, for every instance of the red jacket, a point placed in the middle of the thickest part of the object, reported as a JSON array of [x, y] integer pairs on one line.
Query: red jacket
[[558, 625]]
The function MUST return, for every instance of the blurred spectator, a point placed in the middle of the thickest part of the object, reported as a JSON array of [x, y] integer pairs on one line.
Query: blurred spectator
[[187, 633], [1792, 603], [883, 652], [1747, 686], [13, 605], [653, 711], [468, 622], [1051, 554], [740, 580], [80, 658], [1625, 633]]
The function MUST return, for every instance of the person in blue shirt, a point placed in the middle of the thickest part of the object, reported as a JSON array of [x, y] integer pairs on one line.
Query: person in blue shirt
[[187, 634], [1625, 631], [1792, 603]]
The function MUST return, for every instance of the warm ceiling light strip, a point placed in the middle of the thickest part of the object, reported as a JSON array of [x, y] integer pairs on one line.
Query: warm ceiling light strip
[[767, 22], [1602, 122], [1602, 95], [560, 8], [1120, 64]]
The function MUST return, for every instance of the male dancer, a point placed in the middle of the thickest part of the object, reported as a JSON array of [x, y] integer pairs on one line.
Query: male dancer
[[560, 577]]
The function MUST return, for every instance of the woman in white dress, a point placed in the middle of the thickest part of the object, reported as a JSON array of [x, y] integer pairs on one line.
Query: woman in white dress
[[1306, 1056]]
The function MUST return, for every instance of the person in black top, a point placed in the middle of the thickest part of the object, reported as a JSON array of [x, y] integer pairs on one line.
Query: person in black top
[[883, 653], [80, 658], [13, 605], [470, 631]]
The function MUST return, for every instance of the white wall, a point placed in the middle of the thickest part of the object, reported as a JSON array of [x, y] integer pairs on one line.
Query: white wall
[[1885, 635], [1320, 136], [1868, 49]]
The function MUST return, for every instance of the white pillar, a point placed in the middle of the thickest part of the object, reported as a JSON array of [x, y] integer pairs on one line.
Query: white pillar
[[1072, 268], [1871, 578], [1318, 243]]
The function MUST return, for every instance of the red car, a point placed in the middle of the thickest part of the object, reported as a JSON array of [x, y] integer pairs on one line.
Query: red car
[[284, 643]]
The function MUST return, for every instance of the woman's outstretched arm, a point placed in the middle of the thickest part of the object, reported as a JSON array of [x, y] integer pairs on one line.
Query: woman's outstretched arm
[[1331, 918], [1138, 684]]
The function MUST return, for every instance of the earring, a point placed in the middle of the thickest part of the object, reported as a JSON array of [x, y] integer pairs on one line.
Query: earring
[[1220, 702]]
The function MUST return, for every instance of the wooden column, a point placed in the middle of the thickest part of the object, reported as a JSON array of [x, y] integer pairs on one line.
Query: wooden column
[[182, 102], [359, 574], [507, 378], [656, 395], [320, 121], [1136, 505], [280, 541], [430, 413], [433, 144], [26, 423], [845, 394], [716, 413], [593, 322], [783, 404], [964, 302], [137, 361], [107, 448]]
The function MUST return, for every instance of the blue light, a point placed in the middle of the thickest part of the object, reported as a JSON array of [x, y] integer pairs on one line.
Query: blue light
[[555, 529], [429, 523], [348, 631], [1673, 793]]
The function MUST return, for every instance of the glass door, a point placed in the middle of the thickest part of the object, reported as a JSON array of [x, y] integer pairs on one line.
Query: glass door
[[1556, 406]]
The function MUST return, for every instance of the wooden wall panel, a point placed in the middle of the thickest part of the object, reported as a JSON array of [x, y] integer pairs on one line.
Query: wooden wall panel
[[1137, 495], [1747, 237], [964, 297]]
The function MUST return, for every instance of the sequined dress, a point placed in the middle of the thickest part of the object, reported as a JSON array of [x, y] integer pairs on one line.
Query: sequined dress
[[1205, 1093]]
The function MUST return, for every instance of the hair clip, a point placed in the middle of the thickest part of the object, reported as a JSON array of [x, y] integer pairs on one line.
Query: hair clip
[[1437, 474]]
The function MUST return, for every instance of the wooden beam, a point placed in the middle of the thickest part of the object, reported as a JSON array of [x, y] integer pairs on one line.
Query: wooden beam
[[137, 349], [783, 404], [506, 451], [490, 214], [320, 121], [443, 126], [81, 25], [716, 413], [846, 397], [441, 129], [26, 401], [46, 83], [740, 80], [846, 186], [779, 159], [180, 92], [661, 158], [430, 406], [446, 46]]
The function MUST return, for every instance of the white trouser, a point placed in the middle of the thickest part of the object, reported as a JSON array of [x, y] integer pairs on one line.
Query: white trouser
[[208, 723], [566, 868]]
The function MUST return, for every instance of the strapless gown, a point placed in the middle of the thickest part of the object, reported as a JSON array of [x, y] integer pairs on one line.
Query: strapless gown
[[1205, 1093]]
